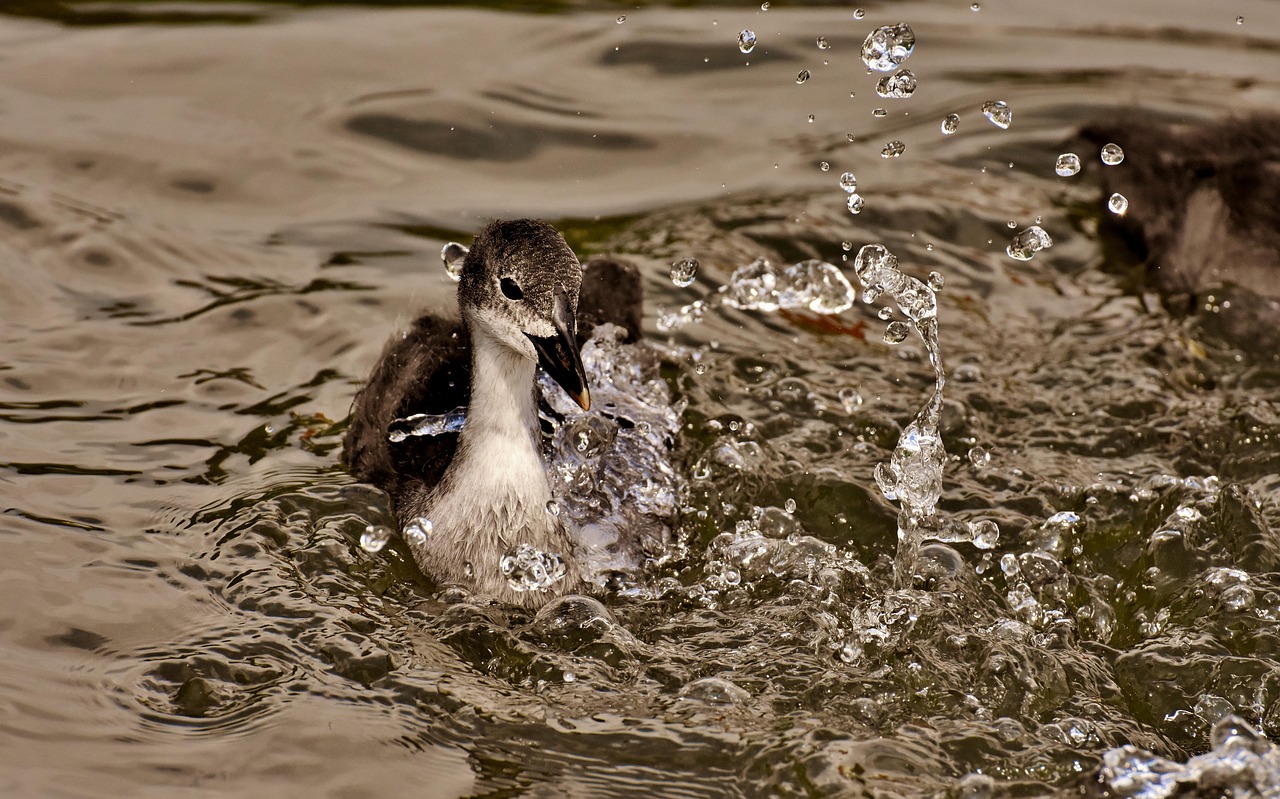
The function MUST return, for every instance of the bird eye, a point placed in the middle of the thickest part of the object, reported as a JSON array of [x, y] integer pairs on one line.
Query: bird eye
[[511, 289]]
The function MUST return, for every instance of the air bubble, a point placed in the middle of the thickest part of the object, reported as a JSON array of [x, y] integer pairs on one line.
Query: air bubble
[[1112, 154], [999, 112], [529, 569], [1067, 165], [375, 537], [684, 271]]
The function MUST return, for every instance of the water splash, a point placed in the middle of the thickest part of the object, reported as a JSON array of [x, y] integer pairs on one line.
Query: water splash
[[811, 285], [913, 474], [529, 569], [427, 424], [1242, 763]]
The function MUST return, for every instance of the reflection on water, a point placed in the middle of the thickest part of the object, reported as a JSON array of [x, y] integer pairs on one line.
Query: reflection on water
[[210, 230]]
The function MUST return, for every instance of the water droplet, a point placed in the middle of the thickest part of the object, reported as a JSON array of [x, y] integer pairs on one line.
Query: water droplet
[[858, 13], [823, 44], [790, 505], [979, 457], [1068, 164], [885, 313], [950, 124], [899, 85], [824, 166], [1012, 223], [1239, 20], [746, 40], [896, 332], [1112, 154], [375, 537], [529, 569], [417, 531], [802, 76], [684, 271], [850, 399], [1118, 204], [935, 278], [622, 19], [1000, 114], [812, 117], [879, 113], [985, 534], [553, 507], [887, 47], [848, 182], [453, 254], [846, 245], [1029, 242], [856, 203], [893, 149]]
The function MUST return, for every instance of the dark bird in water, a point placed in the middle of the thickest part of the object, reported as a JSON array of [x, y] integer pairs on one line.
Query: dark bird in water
[[525, 301], [1203, 217]]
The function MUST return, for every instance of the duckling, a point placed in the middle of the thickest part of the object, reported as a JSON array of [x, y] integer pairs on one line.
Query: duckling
[[524, 301]]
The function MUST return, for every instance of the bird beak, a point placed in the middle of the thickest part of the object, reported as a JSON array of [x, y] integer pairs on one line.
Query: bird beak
[[558, 354]]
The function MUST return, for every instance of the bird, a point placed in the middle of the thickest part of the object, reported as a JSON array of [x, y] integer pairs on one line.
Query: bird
[[524, 301], [1203, 216]]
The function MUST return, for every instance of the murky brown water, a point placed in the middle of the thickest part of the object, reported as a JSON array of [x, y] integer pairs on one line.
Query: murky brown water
[[213, 216]]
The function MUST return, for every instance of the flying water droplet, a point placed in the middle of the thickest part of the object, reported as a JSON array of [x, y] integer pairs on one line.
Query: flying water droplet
[[879, 113], [746, 40], [887, 47], [856, 203], [417, 531], [1068, 164], [950, 124], [802, 76], [553, 507], [885, 313], [453, 254], [936, 279], [824, 166], [899, 85], [375, 537], [1112, 154], [985, 534], [684, 271], [858, 13], [850, 399], [896, 332], [790, 505], [893, 149], [1029, 242], [979, 457], [764, 6], [823, 44], [1000, 114], [622, 19], [975, 6], [1118, 204], [849, 182], [1239, 20], [529, 569]]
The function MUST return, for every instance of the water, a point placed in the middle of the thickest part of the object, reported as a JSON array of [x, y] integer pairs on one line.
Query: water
[[216, 214]]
